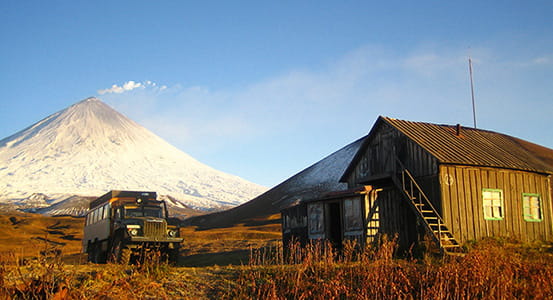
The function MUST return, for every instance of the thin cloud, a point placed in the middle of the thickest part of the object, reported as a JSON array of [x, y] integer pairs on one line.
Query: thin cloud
[[543, 60]]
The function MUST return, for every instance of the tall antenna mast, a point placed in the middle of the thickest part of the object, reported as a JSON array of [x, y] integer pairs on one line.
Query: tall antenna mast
[[472, 93]]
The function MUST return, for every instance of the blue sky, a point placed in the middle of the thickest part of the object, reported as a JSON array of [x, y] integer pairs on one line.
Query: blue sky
[[263, 89]]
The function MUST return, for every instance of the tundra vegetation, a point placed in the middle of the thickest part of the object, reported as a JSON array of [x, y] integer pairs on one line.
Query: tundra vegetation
[[248, 262]]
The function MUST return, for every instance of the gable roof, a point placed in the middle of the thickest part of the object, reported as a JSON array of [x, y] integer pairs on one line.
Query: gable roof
[[453, 144]]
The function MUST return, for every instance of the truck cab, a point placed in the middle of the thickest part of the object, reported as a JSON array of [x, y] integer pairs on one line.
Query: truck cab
[[124, 225]]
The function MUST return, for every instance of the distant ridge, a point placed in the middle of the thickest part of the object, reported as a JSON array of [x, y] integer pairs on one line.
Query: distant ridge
[[89, 148]]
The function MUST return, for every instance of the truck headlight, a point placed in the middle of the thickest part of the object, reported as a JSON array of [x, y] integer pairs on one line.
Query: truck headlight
[[172, 233], [133, 229]]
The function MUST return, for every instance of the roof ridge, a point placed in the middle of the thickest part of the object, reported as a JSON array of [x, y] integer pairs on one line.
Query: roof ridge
[[475, 146]]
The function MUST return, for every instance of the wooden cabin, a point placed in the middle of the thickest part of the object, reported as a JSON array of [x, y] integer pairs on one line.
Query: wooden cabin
[[452, 183]]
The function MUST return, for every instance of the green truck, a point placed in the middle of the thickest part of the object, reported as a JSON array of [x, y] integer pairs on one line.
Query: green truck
[[123, 226]]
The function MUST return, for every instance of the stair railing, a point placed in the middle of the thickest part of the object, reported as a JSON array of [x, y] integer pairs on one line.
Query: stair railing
[[408, 181]]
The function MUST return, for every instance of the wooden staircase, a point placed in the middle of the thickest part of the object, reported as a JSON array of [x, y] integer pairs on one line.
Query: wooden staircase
[[425, 211]]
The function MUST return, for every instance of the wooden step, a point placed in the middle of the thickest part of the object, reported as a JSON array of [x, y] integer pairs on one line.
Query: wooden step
[[449, 242], [451, 246], [438, 228], [460, 254]]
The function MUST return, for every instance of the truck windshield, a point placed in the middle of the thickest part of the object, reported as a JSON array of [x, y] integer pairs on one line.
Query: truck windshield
[[145, 211]]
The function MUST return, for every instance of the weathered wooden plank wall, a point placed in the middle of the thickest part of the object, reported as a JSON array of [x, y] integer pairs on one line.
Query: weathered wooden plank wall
[[294, 224], [396, 217], [461, 189]]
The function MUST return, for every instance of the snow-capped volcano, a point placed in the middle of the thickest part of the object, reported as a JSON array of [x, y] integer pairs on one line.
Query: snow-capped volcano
[[89, 148]]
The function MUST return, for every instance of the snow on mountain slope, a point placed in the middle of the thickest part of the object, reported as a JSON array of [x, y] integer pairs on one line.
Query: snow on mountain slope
[[89, 148]]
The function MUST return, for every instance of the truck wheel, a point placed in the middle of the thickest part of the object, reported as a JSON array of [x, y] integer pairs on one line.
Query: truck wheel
[[90, 252], [120, 253], [173, 257], [97, 253], [125, 256], [169, 256], [100, 256]]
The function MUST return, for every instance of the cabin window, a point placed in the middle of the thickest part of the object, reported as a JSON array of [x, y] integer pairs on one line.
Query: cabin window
[[352, 211], [531, 204], [493, 204], [316, 222], [286, 222]]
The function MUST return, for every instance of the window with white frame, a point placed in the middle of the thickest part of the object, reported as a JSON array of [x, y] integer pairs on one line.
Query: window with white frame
[[531, 205], [493, 204]]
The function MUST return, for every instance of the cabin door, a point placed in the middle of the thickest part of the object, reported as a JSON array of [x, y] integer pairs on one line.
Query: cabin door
[[334, 224]]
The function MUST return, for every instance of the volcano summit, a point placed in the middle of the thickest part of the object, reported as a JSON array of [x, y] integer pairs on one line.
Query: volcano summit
[[89, 148]]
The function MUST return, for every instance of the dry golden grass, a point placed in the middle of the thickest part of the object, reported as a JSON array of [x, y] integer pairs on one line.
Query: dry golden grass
[[493, 269], [49, 278], [247, 262], [224, 246], [24, 233]]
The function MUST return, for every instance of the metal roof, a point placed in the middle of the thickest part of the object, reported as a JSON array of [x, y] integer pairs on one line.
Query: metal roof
[[455, 144]]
